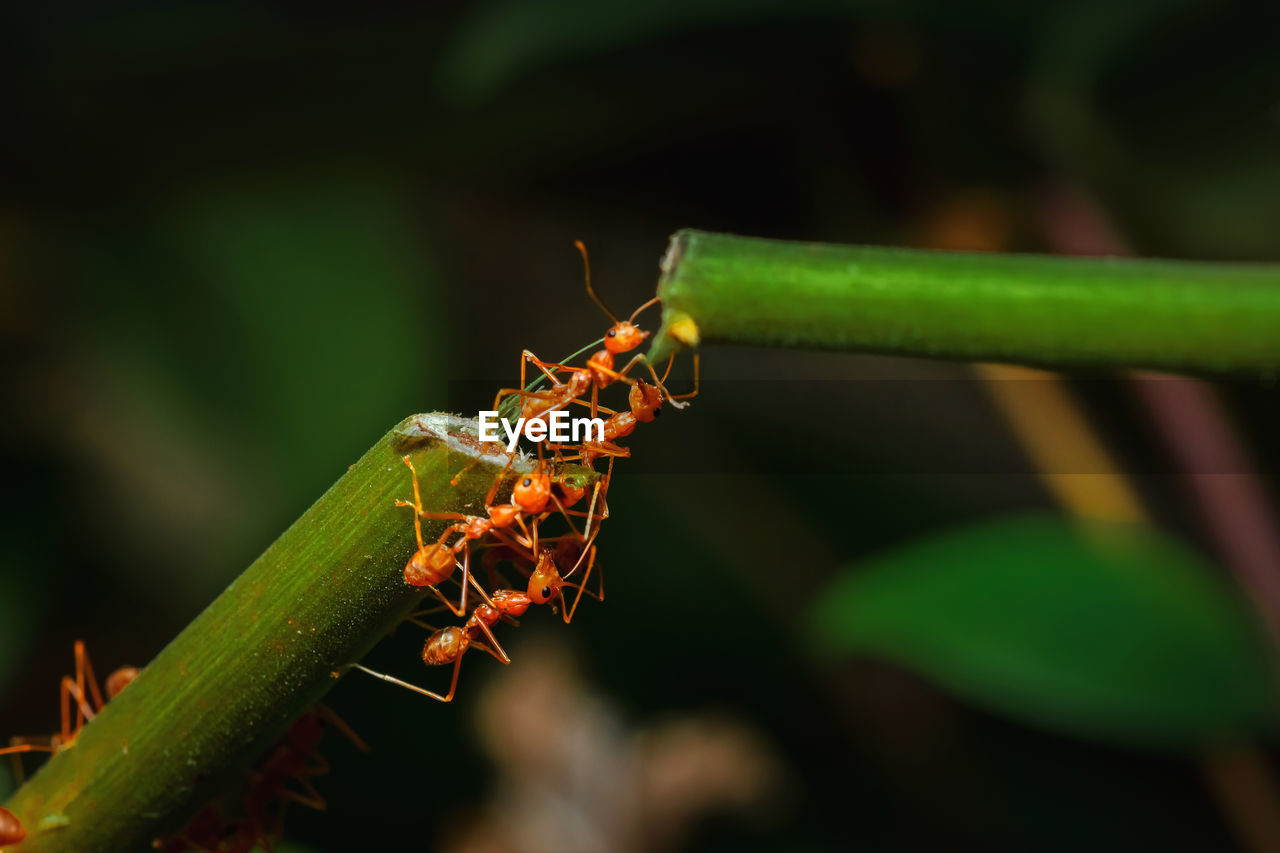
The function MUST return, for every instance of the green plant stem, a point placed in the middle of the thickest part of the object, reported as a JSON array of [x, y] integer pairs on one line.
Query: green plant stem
[[263, 652], [1054, 311]]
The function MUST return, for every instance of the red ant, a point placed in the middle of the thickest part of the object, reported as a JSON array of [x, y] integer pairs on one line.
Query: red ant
[[645, 406], [11, 829], [434, 563], [448, 645], [296, 758], [547, 584], [544, 578], [622, 337], [645, 402], [88, 705], [293, 759]]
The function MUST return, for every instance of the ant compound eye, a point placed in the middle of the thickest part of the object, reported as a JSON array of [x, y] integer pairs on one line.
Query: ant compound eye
[[612, 333], [527, 482], [546, 592], [657, 412]]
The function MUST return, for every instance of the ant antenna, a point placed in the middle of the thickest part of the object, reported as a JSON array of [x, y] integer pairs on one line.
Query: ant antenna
[[586, 268], [636, 312]]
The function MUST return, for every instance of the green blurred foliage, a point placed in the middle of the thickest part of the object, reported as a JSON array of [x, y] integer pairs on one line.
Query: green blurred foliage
[[1096, 630]]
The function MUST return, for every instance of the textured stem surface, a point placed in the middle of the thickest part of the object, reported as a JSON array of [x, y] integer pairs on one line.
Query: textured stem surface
[[263, 652], [1055, 311]]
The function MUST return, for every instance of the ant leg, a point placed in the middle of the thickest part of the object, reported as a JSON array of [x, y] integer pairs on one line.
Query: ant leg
[[331, 717], [621, 375], [69, 690], [468, 577], [568, 514], [640, 357], [476, 644], [598, 495], [417, 502], [582, 584], [694, 392], [461, 609], [594, 405], [512, 541], [312, 799], [443, 516], [530, 358], [82, 659], [456, 611], [457, 478], [497, 651], [502, 475], [391, 679], [468, 580], [595, 495], [17, 747], [522, 393]]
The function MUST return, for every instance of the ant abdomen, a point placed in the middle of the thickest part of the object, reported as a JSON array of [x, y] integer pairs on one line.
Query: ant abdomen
[[429, 566], [445, 646]]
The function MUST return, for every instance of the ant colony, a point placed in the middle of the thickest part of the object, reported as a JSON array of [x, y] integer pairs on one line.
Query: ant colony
[[510, 533]]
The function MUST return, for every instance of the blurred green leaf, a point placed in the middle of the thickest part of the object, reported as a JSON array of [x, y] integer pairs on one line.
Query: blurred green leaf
[[1102, 631], [221, 316], [22, 607]]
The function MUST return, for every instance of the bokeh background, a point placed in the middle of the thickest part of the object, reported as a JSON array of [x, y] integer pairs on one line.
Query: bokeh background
[[239, 241]]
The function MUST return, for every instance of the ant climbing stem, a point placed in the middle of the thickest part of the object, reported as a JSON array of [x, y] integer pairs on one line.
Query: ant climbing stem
[[623, 336], [645, 405], [448, 645], [546, 583], [88, 699], [696, 379], [432, 564], [600, 371]]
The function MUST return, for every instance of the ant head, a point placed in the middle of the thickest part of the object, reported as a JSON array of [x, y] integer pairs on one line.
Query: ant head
[[544, 580], [532, 491], [623, 336], [645, 401], [120, 679]]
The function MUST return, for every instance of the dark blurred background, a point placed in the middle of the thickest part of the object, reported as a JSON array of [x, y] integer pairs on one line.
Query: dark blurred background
[[239, 241]]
